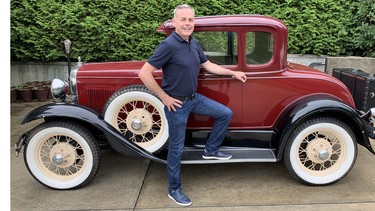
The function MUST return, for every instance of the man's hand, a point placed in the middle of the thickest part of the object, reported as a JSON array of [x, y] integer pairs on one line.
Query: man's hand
[[171, 102], [148, 79], [219, 70], [239, 75]]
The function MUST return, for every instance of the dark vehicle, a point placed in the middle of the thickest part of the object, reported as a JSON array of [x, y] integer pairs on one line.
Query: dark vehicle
[[283, 112]]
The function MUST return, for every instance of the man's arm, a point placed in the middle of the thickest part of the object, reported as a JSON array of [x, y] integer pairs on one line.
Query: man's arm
[[149, 81], [219, 70]]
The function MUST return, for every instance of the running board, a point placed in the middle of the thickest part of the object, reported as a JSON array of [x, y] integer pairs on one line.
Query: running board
[[193, 155]]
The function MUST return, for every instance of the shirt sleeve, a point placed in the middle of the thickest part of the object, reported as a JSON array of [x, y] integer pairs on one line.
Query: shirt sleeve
[[161, 55]]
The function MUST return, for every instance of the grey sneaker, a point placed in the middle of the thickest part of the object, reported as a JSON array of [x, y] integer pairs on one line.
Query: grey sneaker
[[216, 156], [179, 197]]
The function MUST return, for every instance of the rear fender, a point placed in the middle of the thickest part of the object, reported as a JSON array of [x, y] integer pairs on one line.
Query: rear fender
[[89, 116], [315, 106]]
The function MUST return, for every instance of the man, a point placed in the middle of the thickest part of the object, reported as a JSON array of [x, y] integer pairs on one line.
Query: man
[[180, 58]]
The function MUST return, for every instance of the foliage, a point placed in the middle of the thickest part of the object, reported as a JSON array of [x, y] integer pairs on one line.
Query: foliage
[[114, 30], [99, 30], [362, 31], [320, 29]]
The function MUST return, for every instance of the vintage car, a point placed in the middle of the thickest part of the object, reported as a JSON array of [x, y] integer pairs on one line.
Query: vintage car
[[283, 112]]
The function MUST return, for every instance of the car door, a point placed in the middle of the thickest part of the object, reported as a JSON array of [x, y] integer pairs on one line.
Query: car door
[[221, 47]]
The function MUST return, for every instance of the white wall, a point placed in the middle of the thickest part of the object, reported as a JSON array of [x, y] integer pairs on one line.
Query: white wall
[[25, 72], [361, 63]]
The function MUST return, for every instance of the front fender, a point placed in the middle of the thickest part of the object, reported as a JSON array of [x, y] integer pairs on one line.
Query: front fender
[[62, 110], [315, 106], [56, 111]]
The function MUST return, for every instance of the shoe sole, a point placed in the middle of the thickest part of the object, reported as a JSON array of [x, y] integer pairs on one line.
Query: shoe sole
[[181, 204], [215, 158]]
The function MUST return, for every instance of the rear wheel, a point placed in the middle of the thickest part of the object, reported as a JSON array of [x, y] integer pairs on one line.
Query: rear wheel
[[139, 116], [62, 155], [320, 151]]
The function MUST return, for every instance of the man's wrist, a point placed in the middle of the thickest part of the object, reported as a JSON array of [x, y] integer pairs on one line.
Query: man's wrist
[[230, 72]]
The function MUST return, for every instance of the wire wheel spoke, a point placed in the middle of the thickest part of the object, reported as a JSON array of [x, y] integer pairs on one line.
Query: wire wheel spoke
[[140, 112], [65, 148], [315, 147]]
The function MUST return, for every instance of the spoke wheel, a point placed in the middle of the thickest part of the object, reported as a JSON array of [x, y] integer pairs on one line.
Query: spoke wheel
[[139, 116], [320, 151], [62, 155]]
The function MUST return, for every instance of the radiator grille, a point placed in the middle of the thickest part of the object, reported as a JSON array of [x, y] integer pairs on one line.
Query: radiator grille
[[98, 97]]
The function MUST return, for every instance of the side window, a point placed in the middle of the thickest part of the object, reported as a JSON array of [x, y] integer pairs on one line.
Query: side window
[[219, 47], [259, 47]]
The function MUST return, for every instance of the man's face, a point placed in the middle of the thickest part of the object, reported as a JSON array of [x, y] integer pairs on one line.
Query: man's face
[[184, 22]]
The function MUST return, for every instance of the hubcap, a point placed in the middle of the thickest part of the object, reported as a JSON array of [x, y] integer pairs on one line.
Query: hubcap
[[58, 159], [136, 124], [319, 150], [63, 155], [323, 154], [139, 121]]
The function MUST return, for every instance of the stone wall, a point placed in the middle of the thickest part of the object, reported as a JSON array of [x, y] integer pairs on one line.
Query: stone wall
[[25, 72], [365, 64], [318, 62]]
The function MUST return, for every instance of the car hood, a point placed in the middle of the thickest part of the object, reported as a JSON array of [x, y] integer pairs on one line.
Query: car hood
[[108, 66]]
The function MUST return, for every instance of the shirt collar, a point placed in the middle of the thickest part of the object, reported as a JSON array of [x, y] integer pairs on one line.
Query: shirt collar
[[179, 38]]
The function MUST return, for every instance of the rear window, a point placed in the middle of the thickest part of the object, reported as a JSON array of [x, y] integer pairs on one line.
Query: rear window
[[259, 47]]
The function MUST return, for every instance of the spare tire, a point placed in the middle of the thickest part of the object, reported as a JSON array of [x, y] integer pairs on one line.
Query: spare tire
[[139, 116]]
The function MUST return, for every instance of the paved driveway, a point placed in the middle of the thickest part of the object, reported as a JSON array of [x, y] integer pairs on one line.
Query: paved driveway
[[126, 183]]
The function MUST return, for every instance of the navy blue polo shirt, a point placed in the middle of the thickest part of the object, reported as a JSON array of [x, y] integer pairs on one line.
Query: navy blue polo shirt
[[180, 62]]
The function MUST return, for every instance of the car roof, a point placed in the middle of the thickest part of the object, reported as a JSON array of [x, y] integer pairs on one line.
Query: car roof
[[229, 20]]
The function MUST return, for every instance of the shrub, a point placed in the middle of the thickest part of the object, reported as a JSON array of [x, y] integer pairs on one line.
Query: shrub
[[114, 30], [362, 29]]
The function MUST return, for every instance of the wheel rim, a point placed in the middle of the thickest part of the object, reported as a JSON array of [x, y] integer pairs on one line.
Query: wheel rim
[[60, 157], [321, 152], [140, 121]]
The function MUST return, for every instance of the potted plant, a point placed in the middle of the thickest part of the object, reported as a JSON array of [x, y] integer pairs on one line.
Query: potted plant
[[48, 87], [25, 93], [40, 93]]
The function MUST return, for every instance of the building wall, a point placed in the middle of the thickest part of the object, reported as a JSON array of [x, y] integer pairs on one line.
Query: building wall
[[365, 64], [317, 61], [25, 72]]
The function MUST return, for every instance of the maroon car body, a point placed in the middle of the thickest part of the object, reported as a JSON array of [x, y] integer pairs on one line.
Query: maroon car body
[[284, 111], [270, 89]]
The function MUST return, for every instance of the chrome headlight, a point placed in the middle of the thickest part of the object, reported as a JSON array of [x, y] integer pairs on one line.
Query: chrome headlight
[[59, 88]]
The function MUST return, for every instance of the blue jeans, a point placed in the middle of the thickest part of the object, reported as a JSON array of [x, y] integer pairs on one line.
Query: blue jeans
[[177, 121]]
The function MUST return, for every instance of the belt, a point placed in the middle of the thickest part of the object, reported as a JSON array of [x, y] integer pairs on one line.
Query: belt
[[183, 98]]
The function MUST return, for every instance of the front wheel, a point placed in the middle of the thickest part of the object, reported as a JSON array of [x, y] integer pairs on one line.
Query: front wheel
[[320, 151], [62, 155]]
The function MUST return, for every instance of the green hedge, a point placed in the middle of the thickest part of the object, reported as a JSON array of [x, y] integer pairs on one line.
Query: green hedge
[[115, 30], [362, 29]]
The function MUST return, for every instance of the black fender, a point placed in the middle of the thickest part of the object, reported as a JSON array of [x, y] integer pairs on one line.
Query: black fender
[[82, 114], [315, 106]]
